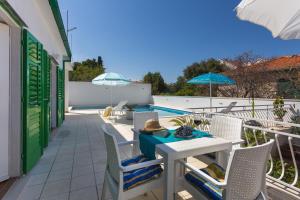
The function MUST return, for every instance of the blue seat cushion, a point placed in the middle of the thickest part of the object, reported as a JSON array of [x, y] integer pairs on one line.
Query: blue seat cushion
[[206, 187], [136, 177]]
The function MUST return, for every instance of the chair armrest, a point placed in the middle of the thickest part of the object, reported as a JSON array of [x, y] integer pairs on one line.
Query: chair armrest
[[239, 141], [204, 175], [141, 165], [127, 143]]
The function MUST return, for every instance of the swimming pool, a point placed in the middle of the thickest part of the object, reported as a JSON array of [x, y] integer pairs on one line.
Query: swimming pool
[[162, 111]]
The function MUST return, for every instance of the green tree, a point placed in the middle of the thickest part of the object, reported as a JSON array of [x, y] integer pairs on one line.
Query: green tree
[[182, 88], [205, 66], [157, 82], [87, 70]]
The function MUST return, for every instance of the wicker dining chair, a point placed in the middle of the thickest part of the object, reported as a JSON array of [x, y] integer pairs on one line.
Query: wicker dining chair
[[139, 119], [244, 178]]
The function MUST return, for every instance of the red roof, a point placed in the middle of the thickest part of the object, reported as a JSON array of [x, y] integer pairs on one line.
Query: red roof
[[281, 63], [274, 64]]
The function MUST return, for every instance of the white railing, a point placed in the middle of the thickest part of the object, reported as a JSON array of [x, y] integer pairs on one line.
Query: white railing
[[260, 111], [284, 141]]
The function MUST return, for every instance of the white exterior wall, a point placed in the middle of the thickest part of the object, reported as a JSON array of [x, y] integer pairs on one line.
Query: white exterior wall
[[87, 94], [4, 100], [197, 102], [66, 90], [38, 16]]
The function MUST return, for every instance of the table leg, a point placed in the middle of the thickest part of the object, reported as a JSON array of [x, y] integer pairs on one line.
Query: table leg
[[136, 147], [169, 193], [222, 158], [179, 173]]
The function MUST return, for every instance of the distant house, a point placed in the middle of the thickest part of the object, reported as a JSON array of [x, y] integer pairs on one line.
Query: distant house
[[34, 59], [278, 76]]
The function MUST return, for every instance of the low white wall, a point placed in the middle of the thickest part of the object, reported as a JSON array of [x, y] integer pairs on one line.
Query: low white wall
[[87, 94], [196, 102]]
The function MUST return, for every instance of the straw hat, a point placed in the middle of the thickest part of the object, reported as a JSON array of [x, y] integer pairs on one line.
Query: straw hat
[[152, 125]]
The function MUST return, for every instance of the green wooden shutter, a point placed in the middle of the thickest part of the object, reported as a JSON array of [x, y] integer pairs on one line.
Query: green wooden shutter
[[46, 98], [60, 96], [31, 101]]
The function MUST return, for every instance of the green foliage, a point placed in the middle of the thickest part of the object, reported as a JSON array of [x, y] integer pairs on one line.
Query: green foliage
[[296, 120], [249, 133], [205, 66], [157, 82], [289, 174], [184, 121], [182, 88], [279, 110], [87, 70]]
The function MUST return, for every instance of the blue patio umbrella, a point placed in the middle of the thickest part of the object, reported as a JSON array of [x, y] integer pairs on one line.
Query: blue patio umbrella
[[209, 79], [111, 79]]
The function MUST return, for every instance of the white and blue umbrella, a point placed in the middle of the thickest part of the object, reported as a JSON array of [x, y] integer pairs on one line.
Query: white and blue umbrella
[[111, 79], [281, 17], [210, 79]]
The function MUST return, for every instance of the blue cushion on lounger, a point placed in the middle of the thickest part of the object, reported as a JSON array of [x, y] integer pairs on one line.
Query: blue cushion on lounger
[[201, 184], [139, 176]]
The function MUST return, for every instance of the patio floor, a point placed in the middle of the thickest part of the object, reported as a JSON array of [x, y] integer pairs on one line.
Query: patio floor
[[73, 164]]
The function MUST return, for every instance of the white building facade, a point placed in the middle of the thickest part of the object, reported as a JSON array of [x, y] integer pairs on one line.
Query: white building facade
[[34, 60]]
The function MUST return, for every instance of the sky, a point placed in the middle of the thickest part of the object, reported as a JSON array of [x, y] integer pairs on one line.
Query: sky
[[134, 37]]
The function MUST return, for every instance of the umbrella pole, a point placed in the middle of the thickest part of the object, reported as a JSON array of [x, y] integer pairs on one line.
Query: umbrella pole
[[210, 96], [111, 96]]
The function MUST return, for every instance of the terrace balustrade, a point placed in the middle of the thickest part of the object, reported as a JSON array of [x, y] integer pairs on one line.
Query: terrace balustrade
[[284, 162]]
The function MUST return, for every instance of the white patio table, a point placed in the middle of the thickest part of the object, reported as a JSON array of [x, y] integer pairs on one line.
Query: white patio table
[[183, 149]]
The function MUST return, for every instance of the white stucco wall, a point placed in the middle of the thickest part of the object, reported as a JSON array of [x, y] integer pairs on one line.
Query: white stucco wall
[[66, 89], [38, 16], [196, 102], [4, 100], [87, 94]]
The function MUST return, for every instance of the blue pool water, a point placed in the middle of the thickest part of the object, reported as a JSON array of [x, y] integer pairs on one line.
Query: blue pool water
[[162, 111]]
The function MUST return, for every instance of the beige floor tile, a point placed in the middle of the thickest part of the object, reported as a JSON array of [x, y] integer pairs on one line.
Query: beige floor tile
[[31, 193], [56, 188], [82, 182], [89, 193], [64, 196], [82, 170]]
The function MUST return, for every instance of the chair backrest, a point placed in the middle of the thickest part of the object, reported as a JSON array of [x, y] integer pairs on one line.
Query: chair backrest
[[120, 105], [113, 157], [246, 172], [229, 108], [226, 127], [139, 119]]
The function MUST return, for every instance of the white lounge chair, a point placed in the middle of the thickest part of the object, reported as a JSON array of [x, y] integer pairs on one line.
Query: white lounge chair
[[119, 109], [229, 108], [139, 119], [245, 177], [129, 178]]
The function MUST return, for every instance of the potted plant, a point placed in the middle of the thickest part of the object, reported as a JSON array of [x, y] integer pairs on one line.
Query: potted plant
[[278, 108], [129, 112]]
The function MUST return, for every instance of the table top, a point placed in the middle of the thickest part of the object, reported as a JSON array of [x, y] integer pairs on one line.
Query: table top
[[186, 148]]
